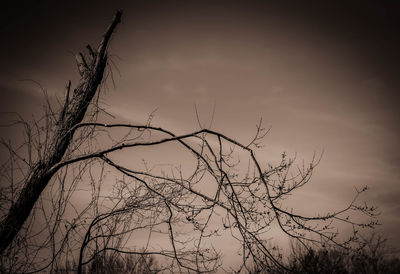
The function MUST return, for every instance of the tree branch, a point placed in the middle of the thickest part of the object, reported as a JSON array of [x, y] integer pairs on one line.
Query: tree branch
[[73, 115]]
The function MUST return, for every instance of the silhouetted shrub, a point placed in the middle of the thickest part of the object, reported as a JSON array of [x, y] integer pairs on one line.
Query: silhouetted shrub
[[105, 263], [371, 257]]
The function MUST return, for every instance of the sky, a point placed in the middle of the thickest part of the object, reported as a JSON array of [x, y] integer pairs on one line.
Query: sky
[[323, 76]]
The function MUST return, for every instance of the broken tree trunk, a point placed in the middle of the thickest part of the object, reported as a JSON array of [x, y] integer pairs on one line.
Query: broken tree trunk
[[73, 112]]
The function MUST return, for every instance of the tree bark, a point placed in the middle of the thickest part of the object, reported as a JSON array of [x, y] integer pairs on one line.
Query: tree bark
[[73, 112]]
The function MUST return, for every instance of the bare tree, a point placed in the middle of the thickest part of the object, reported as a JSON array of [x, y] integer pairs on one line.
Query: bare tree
[[219, 188]]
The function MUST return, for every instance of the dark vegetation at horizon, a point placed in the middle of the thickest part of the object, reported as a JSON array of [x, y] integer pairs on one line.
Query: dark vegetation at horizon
[[372, 258]]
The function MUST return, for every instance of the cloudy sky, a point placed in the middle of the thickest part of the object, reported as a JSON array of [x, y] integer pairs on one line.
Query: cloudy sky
[[324, 77]]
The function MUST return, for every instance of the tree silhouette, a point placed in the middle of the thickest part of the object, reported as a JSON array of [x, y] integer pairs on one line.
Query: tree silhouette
[[218, 188]]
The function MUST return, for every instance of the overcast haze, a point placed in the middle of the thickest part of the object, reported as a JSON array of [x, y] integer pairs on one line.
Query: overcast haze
[[324, 77]]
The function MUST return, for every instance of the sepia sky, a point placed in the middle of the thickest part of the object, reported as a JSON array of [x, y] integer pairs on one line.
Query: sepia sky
[[323, 76]]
